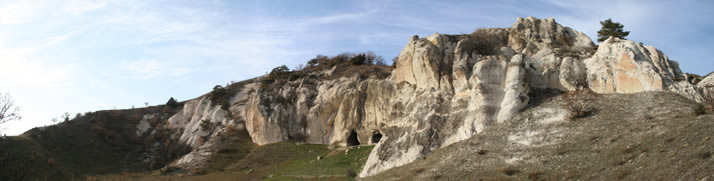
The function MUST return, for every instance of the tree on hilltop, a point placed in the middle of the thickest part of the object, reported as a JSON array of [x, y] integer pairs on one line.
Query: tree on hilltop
[[611, 28]]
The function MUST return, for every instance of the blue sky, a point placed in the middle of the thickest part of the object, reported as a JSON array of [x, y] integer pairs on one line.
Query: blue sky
[[86, 55]]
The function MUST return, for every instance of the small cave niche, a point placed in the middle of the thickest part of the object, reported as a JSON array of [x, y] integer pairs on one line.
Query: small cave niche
[[352, 139], [376, 136]]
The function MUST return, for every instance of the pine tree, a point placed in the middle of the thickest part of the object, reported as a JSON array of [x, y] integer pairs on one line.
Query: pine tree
[[172, 102], [610, 28]]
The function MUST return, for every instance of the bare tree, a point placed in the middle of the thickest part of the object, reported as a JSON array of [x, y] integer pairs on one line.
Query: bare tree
[[65, 116], [8, 110]]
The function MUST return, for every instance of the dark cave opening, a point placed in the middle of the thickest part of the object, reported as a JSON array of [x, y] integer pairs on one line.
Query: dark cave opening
[[352, 139], [376, 136]]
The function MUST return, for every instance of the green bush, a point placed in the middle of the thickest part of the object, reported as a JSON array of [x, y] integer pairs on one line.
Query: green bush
[[279, 71], [220, 95], [313, 62], [359, 59], [205, 125], [172, 103]]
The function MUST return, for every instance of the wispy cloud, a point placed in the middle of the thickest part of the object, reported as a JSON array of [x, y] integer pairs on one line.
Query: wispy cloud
[[146, 69], [119, 48], [339, 17], [19, 11], [82, 6]]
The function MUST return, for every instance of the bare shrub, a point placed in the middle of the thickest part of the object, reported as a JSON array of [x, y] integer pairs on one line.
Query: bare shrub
[[351, 173], [699, 109], [231, 130], [578, 104], [8, 110], [536, 175], [51, 161], [486, 41], [510, 171]]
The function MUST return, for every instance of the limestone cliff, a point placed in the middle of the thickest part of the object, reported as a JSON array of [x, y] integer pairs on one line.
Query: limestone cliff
[[706, 87], [623, 66], [444, 89]]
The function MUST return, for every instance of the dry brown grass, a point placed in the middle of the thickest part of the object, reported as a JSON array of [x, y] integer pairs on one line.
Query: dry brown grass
[[536, 175], [510, 170], [419, 170]]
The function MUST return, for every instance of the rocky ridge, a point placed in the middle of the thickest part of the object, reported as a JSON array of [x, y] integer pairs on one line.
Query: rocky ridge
[[444, 89]]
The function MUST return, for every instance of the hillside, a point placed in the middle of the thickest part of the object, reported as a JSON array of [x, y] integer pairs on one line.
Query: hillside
[[534, 100], [643, 136], [96, 143]]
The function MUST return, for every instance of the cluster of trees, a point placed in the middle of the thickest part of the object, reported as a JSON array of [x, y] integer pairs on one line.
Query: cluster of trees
[[321, 62], [365, 58]]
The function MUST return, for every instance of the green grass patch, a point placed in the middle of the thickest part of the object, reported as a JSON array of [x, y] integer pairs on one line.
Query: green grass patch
[[232, 152], [340, 163], [278, 161]]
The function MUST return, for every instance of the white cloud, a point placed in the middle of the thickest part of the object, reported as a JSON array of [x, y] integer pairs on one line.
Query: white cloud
[[21, 69], [143, 68], [340, 17], [19, 12], [82, 6], [152, 68], [34, 83]]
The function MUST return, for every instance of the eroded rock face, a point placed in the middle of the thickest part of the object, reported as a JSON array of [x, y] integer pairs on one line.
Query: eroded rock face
[[706, 87], [189, 130], [444, 89], [529, 35], [309, 110], [623, 66]]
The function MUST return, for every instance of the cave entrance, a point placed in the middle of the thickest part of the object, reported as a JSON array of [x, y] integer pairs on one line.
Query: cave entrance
[[352, 139], [376, 136]]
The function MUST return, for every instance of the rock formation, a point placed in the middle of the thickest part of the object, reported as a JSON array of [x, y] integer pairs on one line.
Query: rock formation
[[623, 66], [706, 87], [444, 89]]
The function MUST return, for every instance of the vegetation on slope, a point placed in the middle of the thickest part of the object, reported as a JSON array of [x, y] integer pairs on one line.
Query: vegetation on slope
[[644, 136], [96, 143], [364, 65], [278, 161]]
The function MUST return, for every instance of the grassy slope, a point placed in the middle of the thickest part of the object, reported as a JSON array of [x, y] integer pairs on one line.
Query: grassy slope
[[97, 143], [646, 136], [277, 161]]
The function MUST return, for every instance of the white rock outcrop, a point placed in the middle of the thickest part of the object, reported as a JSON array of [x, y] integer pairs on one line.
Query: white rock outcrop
[[706, 87], [444, 89], [623, 66]]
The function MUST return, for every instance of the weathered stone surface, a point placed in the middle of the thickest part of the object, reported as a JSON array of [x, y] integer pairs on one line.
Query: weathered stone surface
[[706, 87], [623, 66], [144, 124], [486, 90], [442, 90], [529, 35]]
